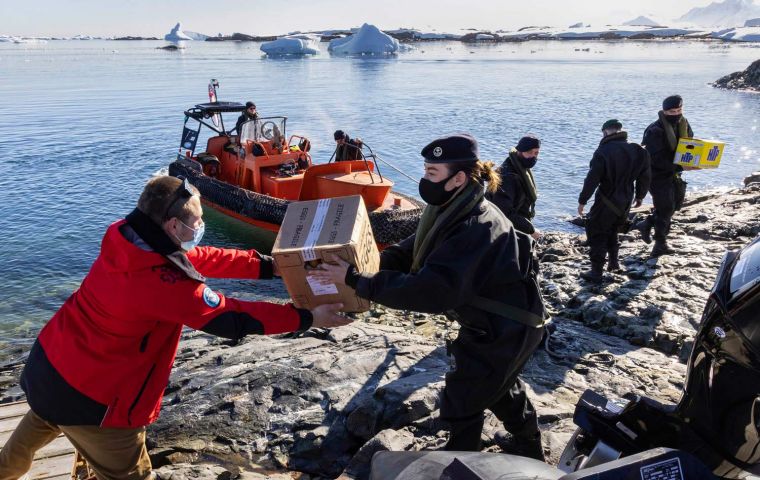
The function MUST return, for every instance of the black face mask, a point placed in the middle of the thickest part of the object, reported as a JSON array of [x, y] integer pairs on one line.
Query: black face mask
[[528, 162], [674, 119], [434, 193]]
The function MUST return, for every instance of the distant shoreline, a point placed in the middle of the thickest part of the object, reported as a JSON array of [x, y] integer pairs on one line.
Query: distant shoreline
[[526, 34]]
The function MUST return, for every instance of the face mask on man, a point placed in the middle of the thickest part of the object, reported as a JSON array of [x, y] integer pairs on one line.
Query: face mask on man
[[197, 236], [674, 119], [529, 162], [434, 193]]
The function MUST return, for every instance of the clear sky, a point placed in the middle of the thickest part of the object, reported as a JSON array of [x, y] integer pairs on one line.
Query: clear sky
[[267, 17]]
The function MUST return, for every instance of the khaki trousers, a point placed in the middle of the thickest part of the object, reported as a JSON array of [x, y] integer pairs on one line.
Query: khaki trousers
[[114, 453]]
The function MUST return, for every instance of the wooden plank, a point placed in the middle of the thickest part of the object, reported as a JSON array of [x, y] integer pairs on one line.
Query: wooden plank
[[52, 468], [52, 462], [9, 410], [9, 424], [59, 446]]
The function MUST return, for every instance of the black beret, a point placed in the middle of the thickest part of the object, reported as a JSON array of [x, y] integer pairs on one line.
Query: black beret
[[249, 105], [461, 147], [612, 123], [339, 134], [527, 143], [673, 101]]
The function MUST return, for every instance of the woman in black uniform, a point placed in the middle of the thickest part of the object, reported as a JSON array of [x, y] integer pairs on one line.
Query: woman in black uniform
[[466, 260]]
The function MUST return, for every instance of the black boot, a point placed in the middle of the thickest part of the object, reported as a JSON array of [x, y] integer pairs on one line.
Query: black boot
[[613, 265], [523, 446], [661, 247], [464, 434], [645, 227], [595, 274]]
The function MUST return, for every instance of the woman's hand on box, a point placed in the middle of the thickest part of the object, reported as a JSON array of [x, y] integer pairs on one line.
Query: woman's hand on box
[[333, 272], [326, 316]]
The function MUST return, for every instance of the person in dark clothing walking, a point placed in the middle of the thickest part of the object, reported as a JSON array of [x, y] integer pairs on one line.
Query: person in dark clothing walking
[[516, 196], [615, 167], [667, 188], [248, 114], [347, 148], [466, 260]]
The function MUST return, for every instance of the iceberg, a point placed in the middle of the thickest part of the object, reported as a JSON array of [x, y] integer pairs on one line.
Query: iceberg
[[368, 40], [177, 35], [484, 36], [196, 36], [292, 45], [752, 22]]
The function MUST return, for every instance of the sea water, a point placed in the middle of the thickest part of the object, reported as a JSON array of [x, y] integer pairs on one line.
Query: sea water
[[84, 124]]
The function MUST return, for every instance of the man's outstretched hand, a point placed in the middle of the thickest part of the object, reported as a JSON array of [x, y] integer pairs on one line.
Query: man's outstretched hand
[[326, 316]]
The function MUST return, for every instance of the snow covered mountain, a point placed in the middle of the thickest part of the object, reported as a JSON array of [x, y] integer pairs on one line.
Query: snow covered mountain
[[729, 13], [643, 21]]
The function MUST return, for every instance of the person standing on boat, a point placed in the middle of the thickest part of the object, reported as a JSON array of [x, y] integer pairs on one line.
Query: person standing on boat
[[517, 195], [98, 368], [347, 148], [466, 260], [248, 114], [616, 167], [668, 189]]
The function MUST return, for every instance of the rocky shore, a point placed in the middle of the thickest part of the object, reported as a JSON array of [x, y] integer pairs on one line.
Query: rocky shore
[[748, 79], [323, 402]]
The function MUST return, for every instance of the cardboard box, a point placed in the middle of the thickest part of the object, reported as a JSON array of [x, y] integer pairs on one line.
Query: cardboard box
[[694, 152], [314, 228]]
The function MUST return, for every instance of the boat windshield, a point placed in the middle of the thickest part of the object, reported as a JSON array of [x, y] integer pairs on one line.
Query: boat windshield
[[261, 129]]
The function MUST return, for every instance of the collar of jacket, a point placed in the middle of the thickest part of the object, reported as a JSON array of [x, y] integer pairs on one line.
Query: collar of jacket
[[160, 242], [615, 137], [151, 233]]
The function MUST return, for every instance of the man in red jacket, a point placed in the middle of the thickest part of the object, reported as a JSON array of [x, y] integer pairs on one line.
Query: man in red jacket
[[99, 367]]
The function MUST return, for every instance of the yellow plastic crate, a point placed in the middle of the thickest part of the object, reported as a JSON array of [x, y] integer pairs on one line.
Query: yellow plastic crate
[[695, 152]]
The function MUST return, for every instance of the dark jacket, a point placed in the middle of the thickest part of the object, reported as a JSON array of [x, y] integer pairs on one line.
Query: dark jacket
[[661, 154], [105, 356], [351, 150], [479, 256], [512, 200], [244, 117], [615, 167]]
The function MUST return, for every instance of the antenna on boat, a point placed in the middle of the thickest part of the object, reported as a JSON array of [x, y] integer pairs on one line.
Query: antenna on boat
[[213, 84]]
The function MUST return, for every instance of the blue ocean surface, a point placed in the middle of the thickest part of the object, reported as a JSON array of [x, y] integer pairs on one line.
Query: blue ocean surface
[[84, 124]]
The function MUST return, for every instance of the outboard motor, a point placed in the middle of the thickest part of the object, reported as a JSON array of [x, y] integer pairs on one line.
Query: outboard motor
[[718, 416]]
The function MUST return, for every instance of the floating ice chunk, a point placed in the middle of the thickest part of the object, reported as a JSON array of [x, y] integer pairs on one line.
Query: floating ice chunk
[[177, 34], [292, 45], [368, 40]]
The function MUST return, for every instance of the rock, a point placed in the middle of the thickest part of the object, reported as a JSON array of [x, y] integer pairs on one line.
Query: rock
[[323, 402], [753, 178], [748, 79], [393, 440]]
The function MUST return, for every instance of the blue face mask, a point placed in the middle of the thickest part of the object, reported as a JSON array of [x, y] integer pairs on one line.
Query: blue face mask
[[197, 235]]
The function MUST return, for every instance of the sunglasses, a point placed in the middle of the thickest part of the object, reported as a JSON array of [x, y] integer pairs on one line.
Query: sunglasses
[[183, 192]]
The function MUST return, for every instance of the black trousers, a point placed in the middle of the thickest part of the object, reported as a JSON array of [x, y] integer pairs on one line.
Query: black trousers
[[602, 227], [664, 197], [486, 377]]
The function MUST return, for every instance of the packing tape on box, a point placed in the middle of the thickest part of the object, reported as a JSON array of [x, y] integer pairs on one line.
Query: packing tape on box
[[315, 230]]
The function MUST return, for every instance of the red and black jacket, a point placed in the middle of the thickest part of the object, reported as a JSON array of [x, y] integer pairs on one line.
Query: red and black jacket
[[105, 356]]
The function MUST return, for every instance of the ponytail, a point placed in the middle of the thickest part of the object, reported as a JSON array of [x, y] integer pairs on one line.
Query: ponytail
[[482, 172]]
